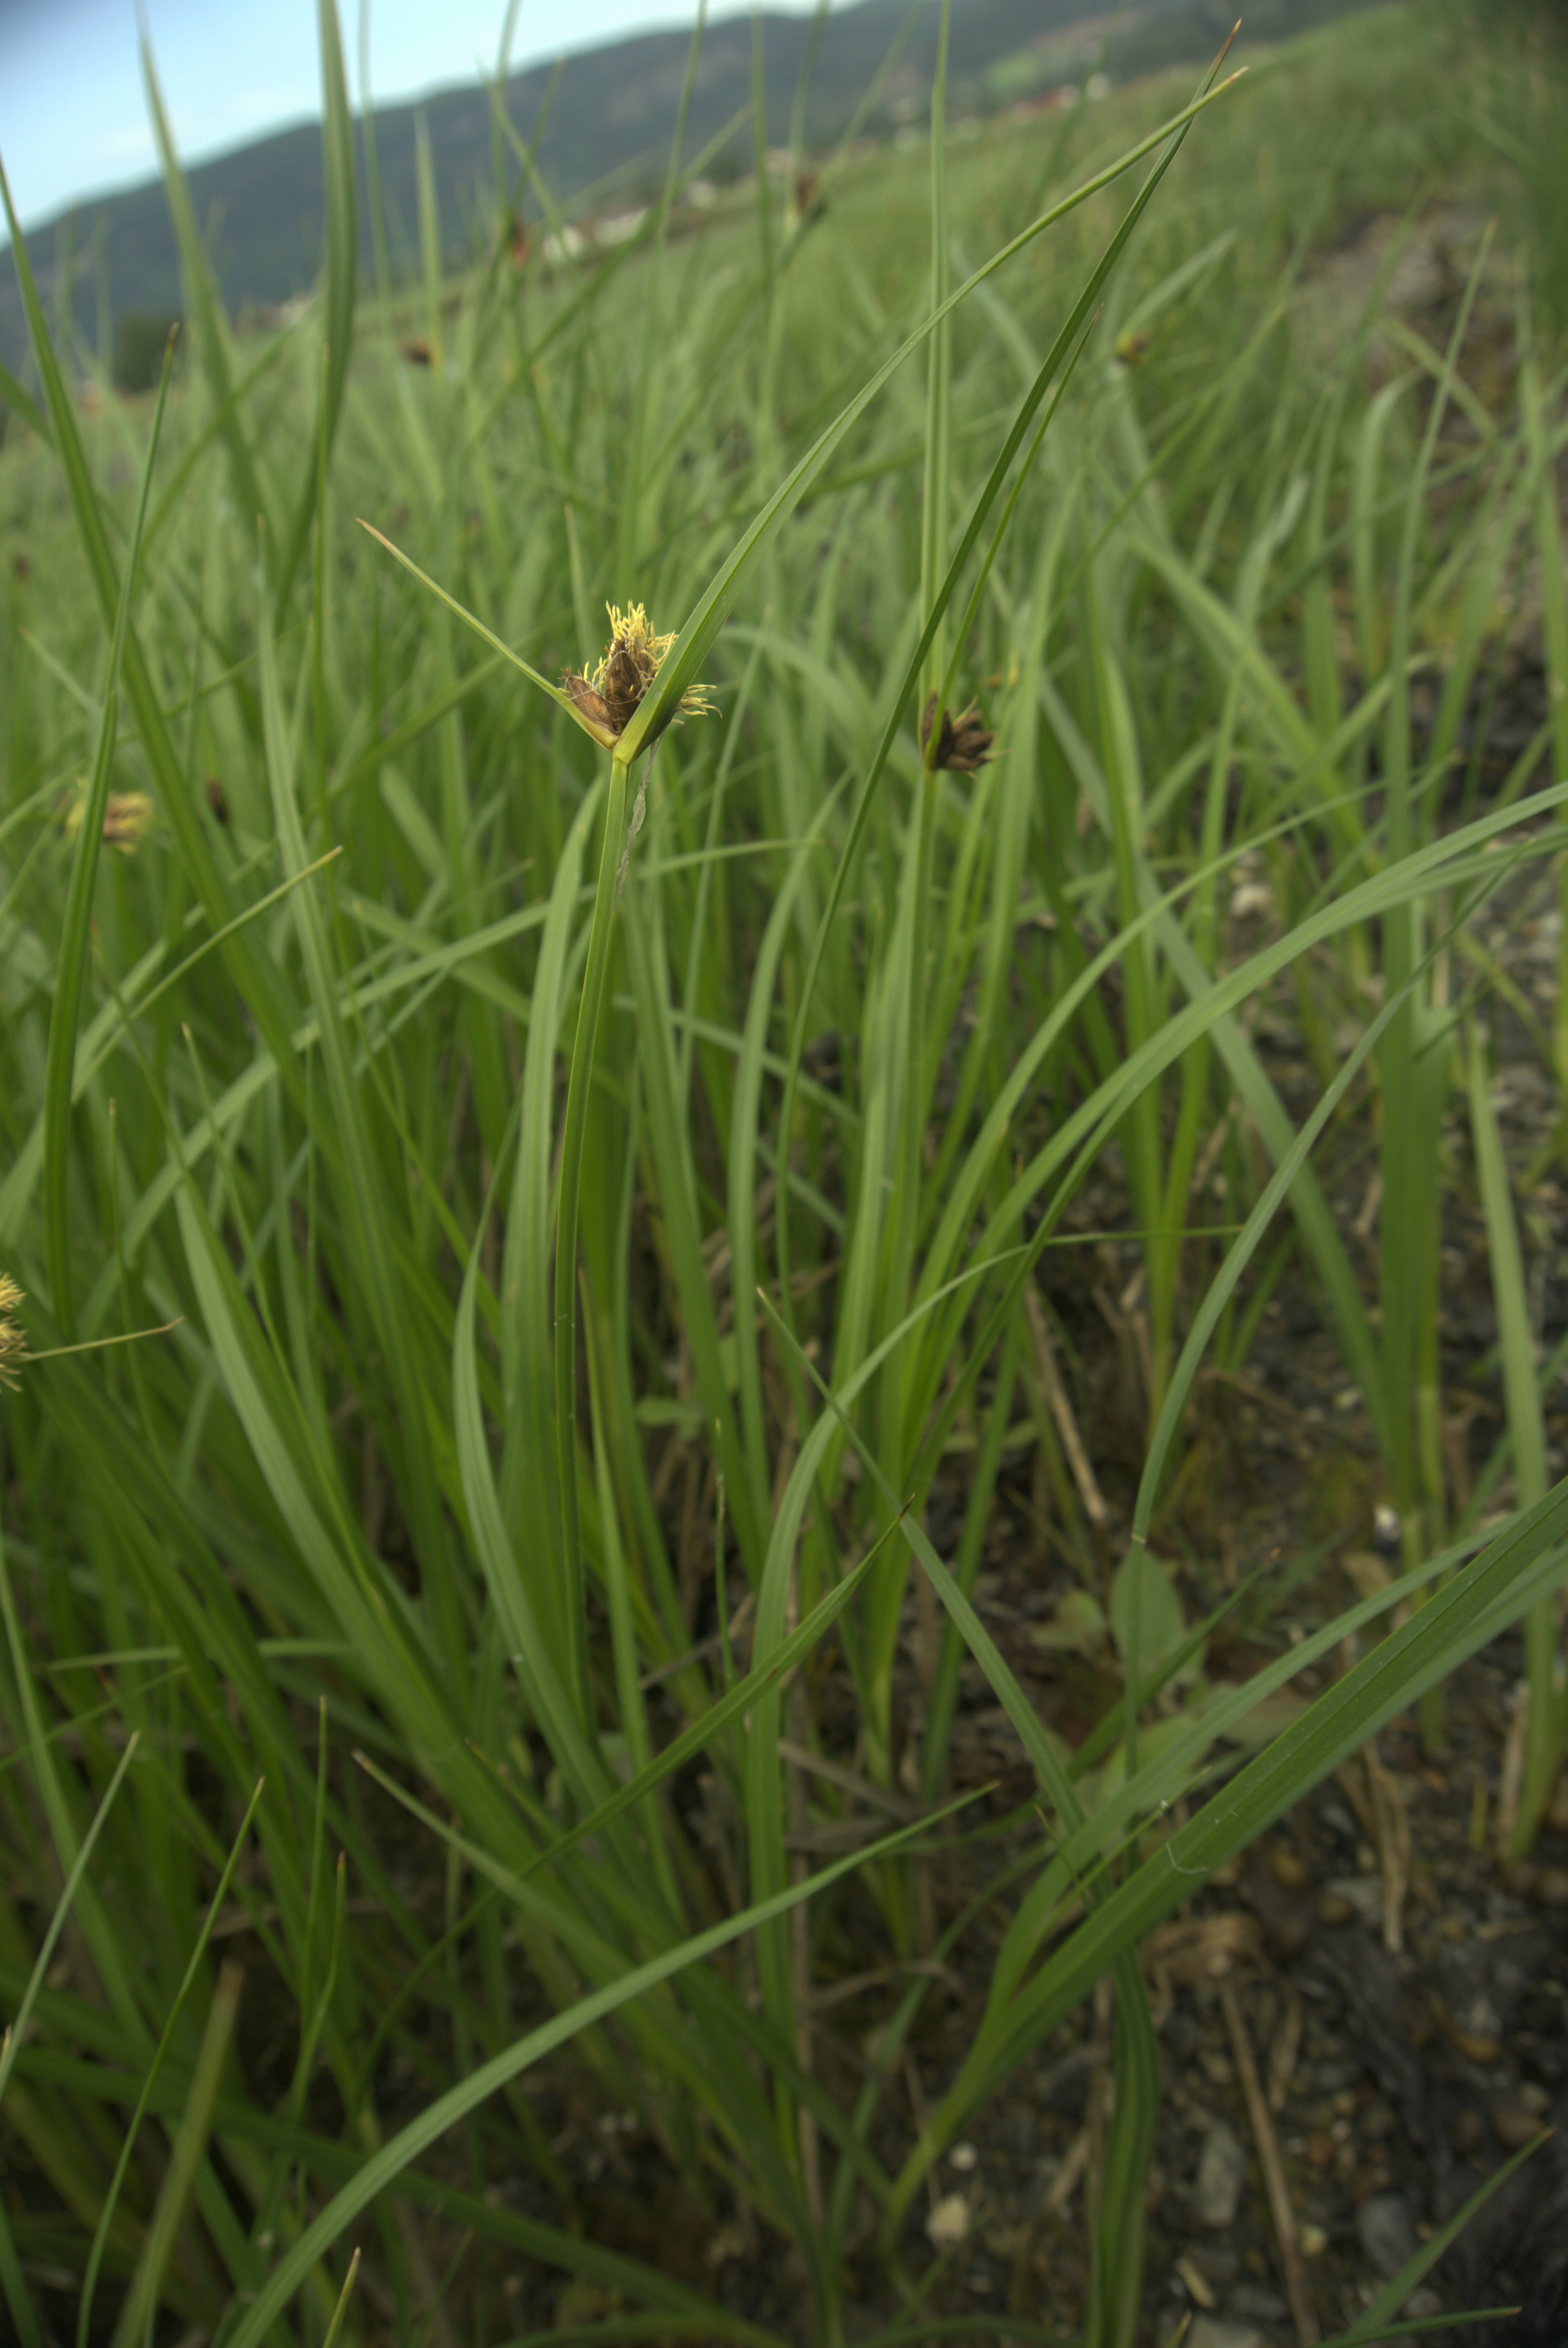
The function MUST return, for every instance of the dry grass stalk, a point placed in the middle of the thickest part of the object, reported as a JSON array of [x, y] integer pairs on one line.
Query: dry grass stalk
[[1511, 1780], [1282, 2209], [1391, 1839], [1195, 1951], [1286, 2051], [1049, 1376]]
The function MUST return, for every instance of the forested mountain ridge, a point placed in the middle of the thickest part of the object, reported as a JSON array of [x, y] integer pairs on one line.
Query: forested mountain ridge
[[609, 113]]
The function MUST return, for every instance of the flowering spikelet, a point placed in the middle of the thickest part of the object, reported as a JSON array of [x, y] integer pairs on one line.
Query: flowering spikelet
[[13, 1343], [126, 820], [964, 742], [612, 695], [127, 815]]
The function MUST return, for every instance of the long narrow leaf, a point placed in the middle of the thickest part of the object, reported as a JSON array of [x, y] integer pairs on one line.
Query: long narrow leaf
[[71, 967]]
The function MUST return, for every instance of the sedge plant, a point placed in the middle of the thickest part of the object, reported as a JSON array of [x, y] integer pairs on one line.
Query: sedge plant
[[527, 1083]]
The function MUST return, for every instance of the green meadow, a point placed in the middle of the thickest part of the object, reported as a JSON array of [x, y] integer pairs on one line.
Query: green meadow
[[540, 1220]]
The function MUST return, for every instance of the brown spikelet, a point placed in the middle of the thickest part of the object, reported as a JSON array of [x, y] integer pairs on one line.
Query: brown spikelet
[[964, 742], [592, 703]]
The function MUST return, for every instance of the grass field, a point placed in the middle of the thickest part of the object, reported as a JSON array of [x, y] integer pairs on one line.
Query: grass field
[[514, 1231]]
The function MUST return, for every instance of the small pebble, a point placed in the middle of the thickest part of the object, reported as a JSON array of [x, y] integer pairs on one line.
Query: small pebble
[[1207, 2332], [1513, 2126], [1334, 1910], [1320, 2148], [949, 2222], [1364, 1893], [1288, 1934], [1198, 2285], [1548, 1887], [963, 2158], [1222, 2172], [1288, 1869], [1314, 2240], [1387, 2236], [1256, 2300], [1424, 2303]]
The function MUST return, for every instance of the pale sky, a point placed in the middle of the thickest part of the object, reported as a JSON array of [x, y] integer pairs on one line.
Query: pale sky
[[73, 116]]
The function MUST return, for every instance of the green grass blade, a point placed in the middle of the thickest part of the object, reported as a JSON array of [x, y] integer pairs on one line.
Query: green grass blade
[[341, 245], [1515, 1337], [1063, 352], [209, 332], [22, 404], [568, 1202], [17, 2031], [1545, 1738], [139, 2308], [1238, 1257], [150, 2077], [553, 1675], [383, 2169], [1451, 1623], [1372, 2324], [527, 1353], [13, 2283], [72, 964], [709, 1727], [255, 975], [682, 668], [562, 699]]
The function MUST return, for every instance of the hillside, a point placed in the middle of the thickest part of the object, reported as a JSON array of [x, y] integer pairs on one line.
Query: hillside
[[607, 128]]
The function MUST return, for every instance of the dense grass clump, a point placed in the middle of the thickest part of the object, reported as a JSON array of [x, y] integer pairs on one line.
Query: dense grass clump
[[526, 1194]]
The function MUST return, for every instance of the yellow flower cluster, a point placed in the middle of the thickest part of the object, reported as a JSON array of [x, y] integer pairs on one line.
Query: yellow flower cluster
[[127, 815], [13, 1341]]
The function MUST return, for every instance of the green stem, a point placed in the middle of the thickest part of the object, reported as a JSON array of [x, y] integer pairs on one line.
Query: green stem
[[567, 1203]]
